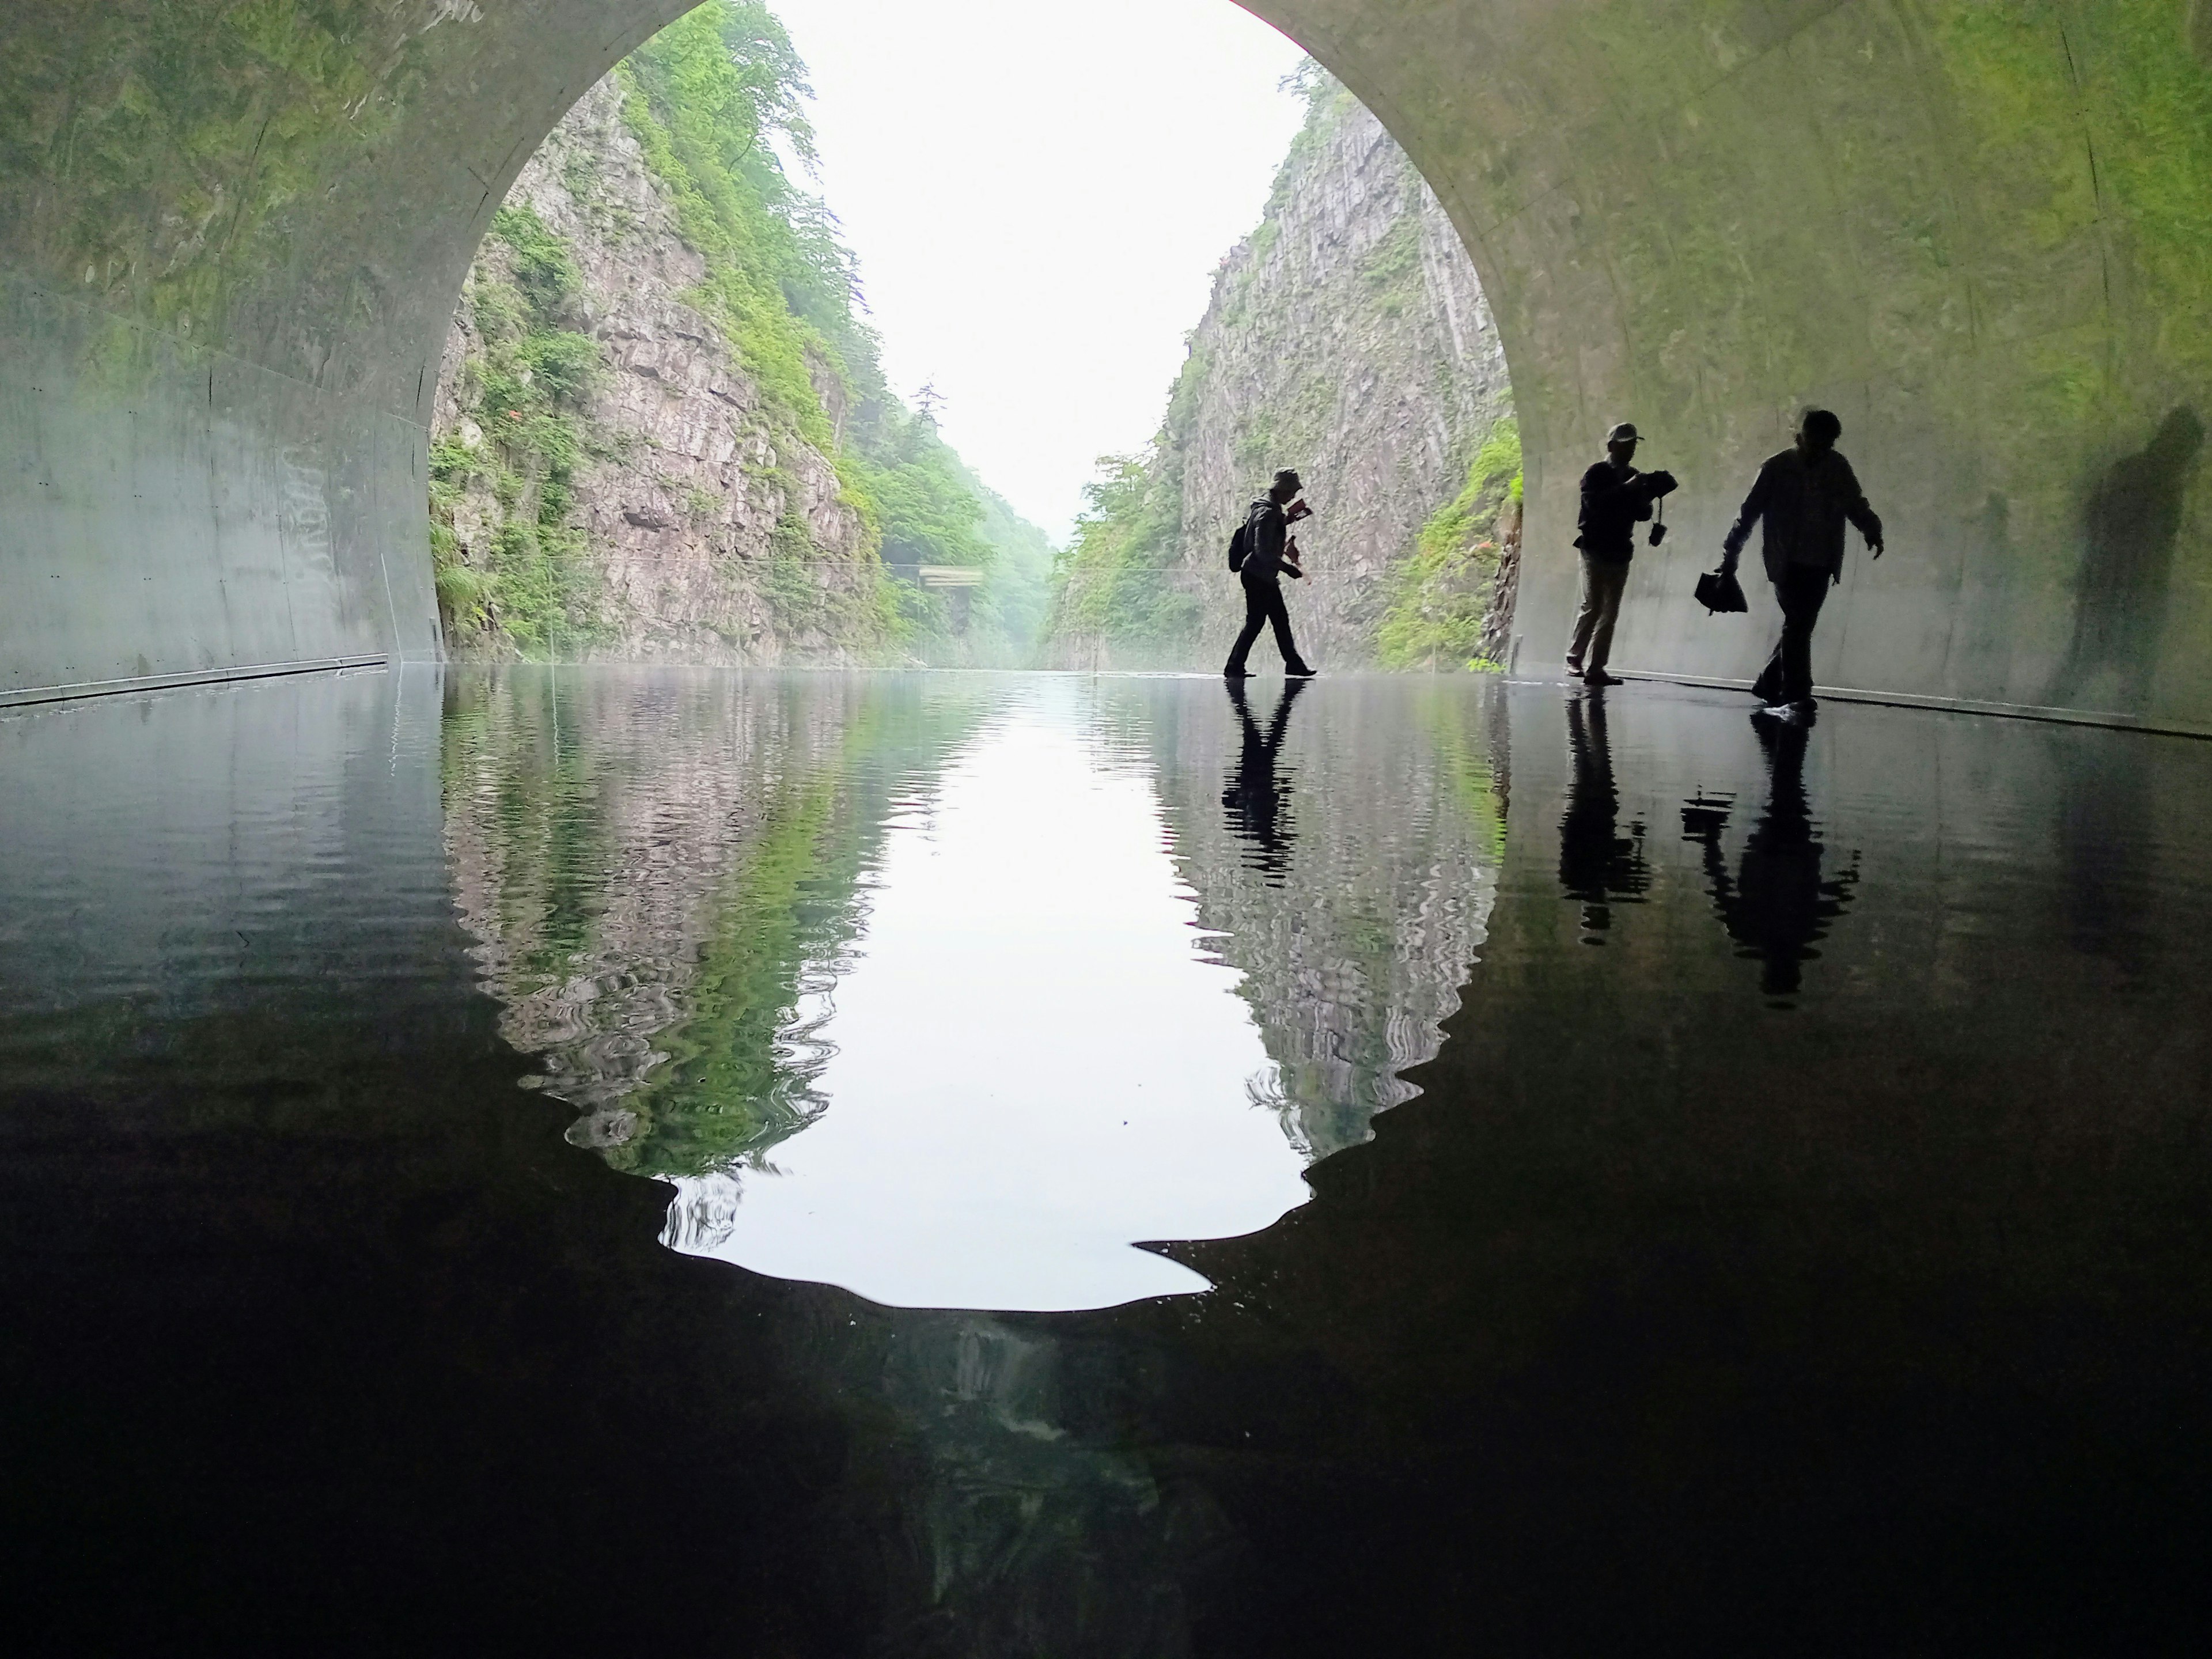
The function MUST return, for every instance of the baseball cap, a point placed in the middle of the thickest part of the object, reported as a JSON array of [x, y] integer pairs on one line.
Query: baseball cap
[[1625, 433]]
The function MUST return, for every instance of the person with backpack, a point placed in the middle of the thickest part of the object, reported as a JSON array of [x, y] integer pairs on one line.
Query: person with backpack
[[1260, 552]]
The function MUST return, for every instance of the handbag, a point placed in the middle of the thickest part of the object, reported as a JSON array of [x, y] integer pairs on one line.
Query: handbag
[[1718, 591]]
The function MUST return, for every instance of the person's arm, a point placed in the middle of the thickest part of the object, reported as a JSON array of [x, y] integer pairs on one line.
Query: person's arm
[[1291, 559], [1268, 538], [1856, 510], [1608, 494], [1740, 532]]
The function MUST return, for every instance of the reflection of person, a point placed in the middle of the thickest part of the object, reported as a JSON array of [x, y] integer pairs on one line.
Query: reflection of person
[[1269, 550], [1776, 905], [1616, 498], [1257, 798], [1597, 863], [1804, 494]]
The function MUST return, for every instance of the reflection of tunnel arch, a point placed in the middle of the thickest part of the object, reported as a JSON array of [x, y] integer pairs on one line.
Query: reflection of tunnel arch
[[231, 231]]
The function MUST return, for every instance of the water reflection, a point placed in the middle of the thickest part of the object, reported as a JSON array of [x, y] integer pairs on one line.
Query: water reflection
[[1257, 798], [1030, 1068], [1775, 907], [1598, 866], [918, 986], [318, 1319]]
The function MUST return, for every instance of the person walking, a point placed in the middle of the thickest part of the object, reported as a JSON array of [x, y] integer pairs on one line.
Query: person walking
[[1804, 494], [1616, 498], [1265, 551]]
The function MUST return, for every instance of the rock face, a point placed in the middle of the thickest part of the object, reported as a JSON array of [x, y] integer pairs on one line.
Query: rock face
[[1348, 338], [682, 489]]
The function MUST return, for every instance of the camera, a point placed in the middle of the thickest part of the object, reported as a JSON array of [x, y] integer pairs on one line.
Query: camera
[[1658, 532]]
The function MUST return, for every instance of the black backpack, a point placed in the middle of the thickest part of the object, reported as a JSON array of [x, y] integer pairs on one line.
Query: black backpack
[[1238, 544]]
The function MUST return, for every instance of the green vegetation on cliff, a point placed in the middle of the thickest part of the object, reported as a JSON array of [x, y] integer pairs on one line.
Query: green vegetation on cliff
[[1116, 580], [537, 588], [709, 99], [1442, 594], [714, 103]]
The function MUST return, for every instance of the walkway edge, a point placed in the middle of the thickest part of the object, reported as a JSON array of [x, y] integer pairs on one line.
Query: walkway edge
[[39, 693], [2017, 711]]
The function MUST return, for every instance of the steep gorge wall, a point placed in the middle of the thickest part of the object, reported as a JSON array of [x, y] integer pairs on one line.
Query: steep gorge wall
[[1347, 336], [690, 528]]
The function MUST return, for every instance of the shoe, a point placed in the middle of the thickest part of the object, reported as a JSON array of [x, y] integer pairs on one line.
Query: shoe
[[1235, 674], [1301, 672], [1574, 670], [1777, 711], [1599, 677]]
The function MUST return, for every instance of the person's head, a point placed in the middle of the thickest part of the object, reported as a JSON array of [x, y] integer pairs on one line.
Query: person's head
[[1621, 443], [1287, 486], [1817, 432]]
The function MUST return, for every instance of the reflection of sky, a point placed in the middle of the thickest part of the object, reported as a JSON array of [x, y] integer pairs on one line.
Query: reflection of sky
[[1034, 1066]]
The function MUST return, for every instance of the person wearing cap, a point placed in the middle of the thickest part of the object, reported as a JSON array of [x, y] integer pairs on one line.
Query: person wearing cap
[[1616, 498], [1268, 552], [1805, 495]]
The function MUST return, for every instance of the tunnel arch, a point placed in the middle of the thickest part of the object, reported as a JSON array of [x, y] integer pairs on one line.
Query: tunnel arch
[[232, 231]]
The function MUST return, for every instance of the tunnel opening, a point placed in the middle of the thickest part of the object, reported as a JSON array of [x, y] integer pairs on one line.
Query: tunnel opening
[[663, 428]]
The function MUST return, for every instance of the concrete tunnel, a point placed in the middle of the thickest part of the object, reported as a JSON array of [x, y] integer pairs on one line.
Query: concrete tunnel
[[231, 234]]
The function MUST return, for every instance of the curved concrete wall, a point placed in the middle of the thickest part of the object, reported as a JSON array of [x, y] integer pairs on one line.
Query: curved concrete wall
[[231, 236]]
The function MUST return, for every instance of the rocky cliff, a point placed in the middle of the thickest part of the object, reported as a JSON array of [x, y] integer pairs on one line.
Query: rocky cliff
[[661, 432], [1347, 337], [683, 494]]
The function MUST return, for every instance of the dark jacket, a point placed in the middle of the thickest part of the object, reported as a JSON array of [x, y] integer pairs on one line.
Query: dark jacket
[[1805, 508], [1265, 531], [1615, 501]]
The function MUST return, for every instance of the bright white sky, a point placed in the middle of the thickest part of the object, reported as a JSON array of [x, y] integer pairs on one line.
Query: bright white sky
[[1039, 193]]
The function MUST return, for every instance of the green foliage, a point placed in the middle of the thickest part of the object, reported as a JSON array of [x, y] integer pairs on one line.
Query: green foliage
[[534, 589], [708, 99], [1114, 576], [731, 1086], [544, 267], [1440, 594]]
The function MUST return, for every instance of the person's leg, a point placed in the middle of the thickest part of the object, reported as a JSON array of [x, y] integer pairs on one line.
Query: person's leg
[[1280, 614], [1585, 617], [1607, 584], [1255, 618], [1804, 592], [1767, 688]]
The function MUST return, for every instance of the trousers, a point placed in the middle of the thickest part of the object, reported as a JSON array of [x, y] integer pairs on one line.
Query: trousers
[[1603, 582], [1263, 604], [1788, 676]]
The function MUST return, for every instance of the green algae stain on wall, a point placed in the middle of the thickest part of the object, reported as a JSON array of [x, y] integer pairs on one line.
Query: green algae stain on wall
[[2090, 134], [151, 166]]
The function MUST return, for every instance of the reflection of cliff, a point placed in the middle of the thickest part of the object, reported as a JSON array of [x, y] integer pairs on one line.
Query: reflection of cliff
[[1019, 1529], [663, 870], [1354, 949]]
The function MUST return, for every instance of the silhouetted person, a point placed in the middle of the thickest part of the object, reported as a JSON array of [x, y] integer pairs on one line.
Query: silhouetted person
[[1257, 800], [1805, 495], [1269, 553], [2128, 531], [1776, 905], [1597, 864], [1616, 498]]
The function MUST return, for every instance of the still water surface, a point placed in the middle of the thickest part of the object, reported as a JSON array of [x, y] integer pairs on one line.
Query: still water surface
[[969, 1165], [1027, 1061]]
